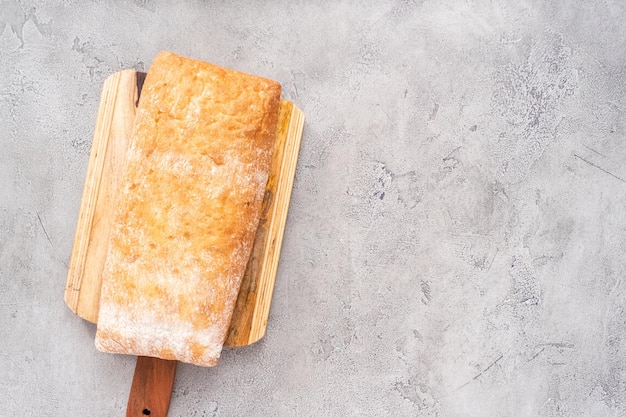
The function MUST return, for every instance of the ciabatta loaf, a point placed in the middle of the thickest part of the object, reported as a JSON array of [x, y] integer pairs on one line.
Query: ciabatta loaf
[[187, 211]]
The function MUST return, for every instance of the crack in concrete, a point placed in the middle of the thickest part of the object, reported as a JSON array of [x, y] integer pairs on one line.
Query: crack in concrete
[[600, 168]]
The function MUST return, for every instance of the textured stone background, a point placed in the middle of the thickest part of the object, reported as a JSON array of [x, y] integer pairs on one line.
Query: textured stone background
[[456, 239]]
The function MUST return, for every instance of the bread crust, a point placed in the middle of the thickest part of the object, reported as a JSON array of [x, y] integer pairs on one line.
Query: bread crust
[[187, 211]]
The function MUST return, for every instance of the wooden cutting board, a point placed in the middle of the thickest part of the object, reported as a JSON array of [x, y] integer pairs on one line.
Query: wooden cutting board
[[118, 103]]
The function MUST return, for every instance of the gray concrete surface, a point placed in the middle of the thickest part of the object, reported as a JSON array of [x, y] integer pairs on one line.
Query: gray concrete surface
[[455, 244]]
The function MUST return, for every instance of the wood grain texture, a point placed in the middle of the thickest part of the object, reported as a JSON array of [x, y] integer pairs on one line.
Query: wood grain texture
[[113, 128], [110, 141], [151, 389]]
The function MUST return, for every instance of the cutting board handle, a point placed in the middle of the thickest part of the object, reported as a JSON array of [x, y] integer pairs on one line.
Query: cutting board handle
[[151, 389]]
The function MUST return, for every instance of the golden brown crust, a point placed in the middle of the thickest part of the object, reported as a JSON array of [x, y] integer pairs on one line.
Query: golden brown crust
[[188, 210]]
